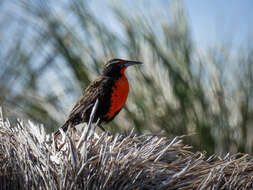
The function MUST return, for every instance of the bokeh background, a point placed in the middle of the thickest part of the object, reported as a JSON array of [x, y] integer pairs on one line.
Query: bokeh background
[[197, 77]]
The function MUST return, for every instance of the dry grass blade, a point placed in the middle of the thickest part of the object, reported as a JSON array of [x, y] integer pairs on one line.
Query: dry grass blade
[[86, 132], [28, 161]]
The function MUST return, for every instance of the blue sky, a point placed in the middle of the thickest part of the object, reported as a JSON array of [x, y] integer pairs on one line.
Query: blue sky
[[211, 22], [218, 20]]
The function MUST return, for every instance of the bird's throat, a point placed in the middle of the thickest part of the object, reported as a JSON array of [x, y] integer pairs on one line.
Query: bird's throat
[[122, 71]]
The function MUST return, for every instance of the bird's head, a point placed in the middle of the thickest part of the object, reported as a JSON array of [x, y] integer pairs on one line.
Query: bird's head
[[117, 67]]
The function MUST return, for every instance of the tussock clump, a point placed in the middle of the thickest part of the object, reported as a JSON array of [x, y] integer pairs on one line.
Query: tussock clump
[[28, 160]]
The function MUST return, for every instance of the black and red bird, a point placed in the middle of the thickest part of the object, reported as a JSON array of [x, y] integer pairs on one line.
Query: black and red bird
[[110, 88]]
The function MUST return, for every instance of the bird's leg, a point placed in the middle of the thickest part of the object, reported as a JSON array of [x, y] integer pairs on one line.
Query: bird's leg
[[101, 127]]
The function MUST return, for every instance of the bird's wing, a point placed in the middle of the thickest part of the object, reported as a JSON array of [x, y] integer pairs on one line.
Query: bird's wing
[[91, 94]]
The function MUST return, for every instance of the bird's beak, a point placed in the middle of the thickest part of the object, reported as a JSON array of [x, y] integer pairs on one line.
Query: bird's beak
[[129, 63]]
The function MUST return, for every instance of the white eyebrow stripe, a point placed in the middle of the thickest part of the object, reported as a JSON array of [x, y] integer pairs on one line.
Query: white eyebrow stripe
[[113, 62]]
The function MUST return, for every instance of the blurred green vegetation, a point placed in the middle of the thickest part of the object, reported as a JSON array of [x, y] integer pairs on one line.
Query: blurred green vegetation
[[51, 51]]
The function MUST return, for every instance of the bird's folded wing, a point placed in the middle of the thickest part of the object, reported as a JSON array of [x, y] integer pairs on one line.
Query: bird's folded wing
[[91, 94]]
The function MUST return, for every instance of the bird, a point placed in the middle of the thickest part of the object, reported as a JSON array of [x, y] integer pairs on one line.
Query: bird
[[111, 90]]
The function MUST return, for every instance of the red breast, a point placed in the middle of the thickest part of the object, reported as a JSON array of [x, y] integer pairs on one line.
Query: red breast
[[119, 95]]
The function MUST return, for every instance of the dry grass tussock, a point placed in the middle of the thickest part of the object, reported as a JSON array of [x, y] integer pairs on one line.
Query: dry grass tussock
[[28, 160]]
